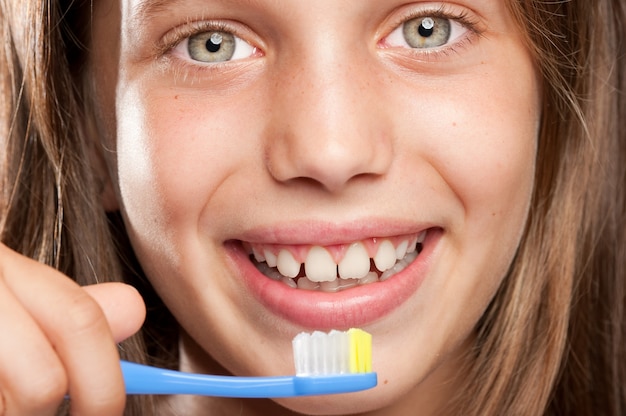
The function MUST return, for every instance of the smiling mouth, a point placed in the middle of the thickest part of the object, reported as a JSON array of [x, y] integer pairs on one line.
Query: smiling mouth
[[338, 267]]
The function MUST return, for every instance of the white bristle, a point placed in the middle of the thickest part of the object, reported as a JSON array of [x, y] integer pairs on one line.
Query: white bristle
[[321, 353]]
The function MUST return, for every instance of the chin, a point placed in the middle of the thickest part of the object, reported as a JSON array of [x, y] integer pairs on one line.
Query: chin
[[339, 404]]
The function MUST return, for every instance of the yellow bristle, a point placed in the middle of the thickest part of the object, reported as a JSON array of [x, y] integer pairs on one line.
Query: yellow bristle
[[360, 351]]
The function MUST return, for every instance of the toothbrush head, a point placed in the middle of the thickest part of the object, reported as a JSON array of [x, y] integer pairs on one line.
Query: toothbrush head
[[335, 352]]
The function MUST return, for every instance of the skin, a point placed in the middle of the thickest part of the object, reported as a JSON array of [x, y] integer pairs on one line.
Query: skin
[[57, 328], [309, 129], [327, 133]]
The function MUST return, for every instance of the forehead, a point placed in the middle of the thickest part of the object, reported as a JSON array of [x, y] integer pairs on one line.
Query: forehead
[[138, 15], [147, 9]]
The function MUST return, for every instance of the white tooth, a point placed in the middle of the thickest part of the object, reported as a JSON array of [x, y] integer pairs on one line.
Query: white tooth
[[330, 286], [258, 256], [356, 262], [412, 246], [270, 258], [268, 271], [289, 282], [401, 249], [348, 283], [306, 284], [371, 277], [421, 237], [395, 269], [319, 265], [286, 264], [399, 266], [385, 257]]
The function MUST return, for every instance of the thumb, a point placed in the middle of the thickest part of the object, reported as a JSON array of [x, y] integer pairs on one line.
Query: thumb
[[122, 305]]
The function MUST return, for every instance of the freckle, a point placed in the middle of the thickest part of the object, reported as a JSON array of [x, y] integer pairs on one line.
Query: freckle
[[386, 382]]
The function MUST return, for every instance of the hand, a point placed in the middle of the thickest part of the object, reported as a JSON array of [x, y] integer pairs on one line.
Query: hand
[[58, 338]]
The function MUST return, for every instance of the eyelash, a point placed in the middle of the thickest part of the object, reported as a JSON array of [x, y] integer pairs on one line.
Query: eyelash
[[177, 35], [462, 18], [180, 33]]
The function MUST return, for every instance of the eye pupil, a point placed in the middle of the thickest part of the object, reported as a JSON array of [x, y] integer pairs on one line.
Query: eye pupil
[[426, 28], [213, 46], [214, 43], [427, 32]]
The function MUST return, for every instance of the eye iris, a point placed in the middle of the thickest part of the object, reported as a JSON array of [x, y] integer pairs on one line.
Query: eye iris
[[426, 32], [211, 46]]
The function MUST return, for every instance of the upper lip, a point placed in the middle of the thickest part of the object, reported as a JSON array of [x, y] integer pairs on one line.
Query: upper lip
[[329, 233]]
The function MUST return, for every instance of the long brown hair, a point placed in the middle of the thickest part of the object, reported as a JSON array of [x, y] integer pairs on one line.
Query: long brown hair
[[552, 341], [50, 206], [554, 338]]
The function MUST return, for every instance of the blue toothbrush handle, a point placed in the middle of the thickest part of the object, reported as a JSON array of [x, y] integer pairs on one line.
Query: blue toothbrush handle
[[142, 379]]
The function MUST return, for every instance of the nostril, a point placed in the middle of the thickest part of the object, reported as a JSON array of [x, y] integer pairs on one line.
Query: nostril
[[327, 156], [333, 177]]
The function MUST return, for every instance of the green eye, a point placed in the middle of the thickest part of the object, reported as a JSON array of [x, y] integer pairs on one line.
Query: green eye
[[212, 46], [426, 32]]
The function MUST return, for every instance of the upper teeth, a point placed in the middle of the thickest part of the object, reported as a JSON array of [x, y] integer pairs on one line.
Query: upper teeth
[[322, 266], [355, 264], [319, 265]]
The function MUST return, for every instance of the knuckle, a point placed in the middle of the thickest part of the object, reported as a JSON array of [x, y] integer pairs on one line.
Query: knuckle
[[108, 405], [96, 404], [83, 315], [51, 387], [42, 394]]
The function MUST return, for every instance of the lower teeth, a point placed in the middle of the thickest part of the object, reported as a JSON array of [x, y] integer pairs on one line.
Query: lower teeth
[[399, 266], [338, 284]]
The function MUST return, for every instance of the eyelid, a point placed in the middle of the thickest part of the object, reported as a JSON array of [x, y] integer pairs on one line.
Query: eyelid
[[176, 39]]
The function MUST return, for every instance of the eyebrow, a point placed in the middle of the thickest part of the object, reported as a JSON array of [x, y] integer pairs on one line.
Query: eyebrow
[[149, 9]]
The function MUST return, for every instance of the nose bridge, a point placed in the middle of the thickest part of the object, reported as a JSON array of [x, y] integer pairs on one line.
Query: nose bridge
[[325, 123]]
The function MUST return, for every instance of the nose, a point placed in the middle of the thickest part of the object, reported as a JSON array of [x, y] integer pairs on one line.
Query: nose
[[327, 125]]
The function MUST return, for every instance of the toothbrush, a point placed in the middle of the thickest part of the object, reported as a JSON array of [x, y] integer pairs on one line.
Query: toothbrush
[[326, 363]]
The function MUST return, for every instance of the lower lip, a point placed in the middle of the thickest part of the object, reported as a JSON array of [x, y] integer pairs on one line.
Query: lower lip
[[353, 307]]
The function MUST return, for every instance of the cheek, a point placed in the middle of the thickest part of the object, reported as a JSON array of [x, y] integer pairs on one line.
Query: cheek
[[157, 175], [170, 164], [479, 137], [497, 154], [474, 139], [489, 165]]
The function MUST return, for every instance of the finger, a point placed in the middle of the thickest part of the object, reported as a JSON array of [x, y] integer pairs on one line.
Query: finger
[[32, 378], [122, 305], [76, 328]]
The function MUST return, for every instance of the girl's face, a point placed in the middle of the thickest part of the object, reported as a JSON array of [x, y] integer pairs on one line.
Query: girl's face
[[249, 138]]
